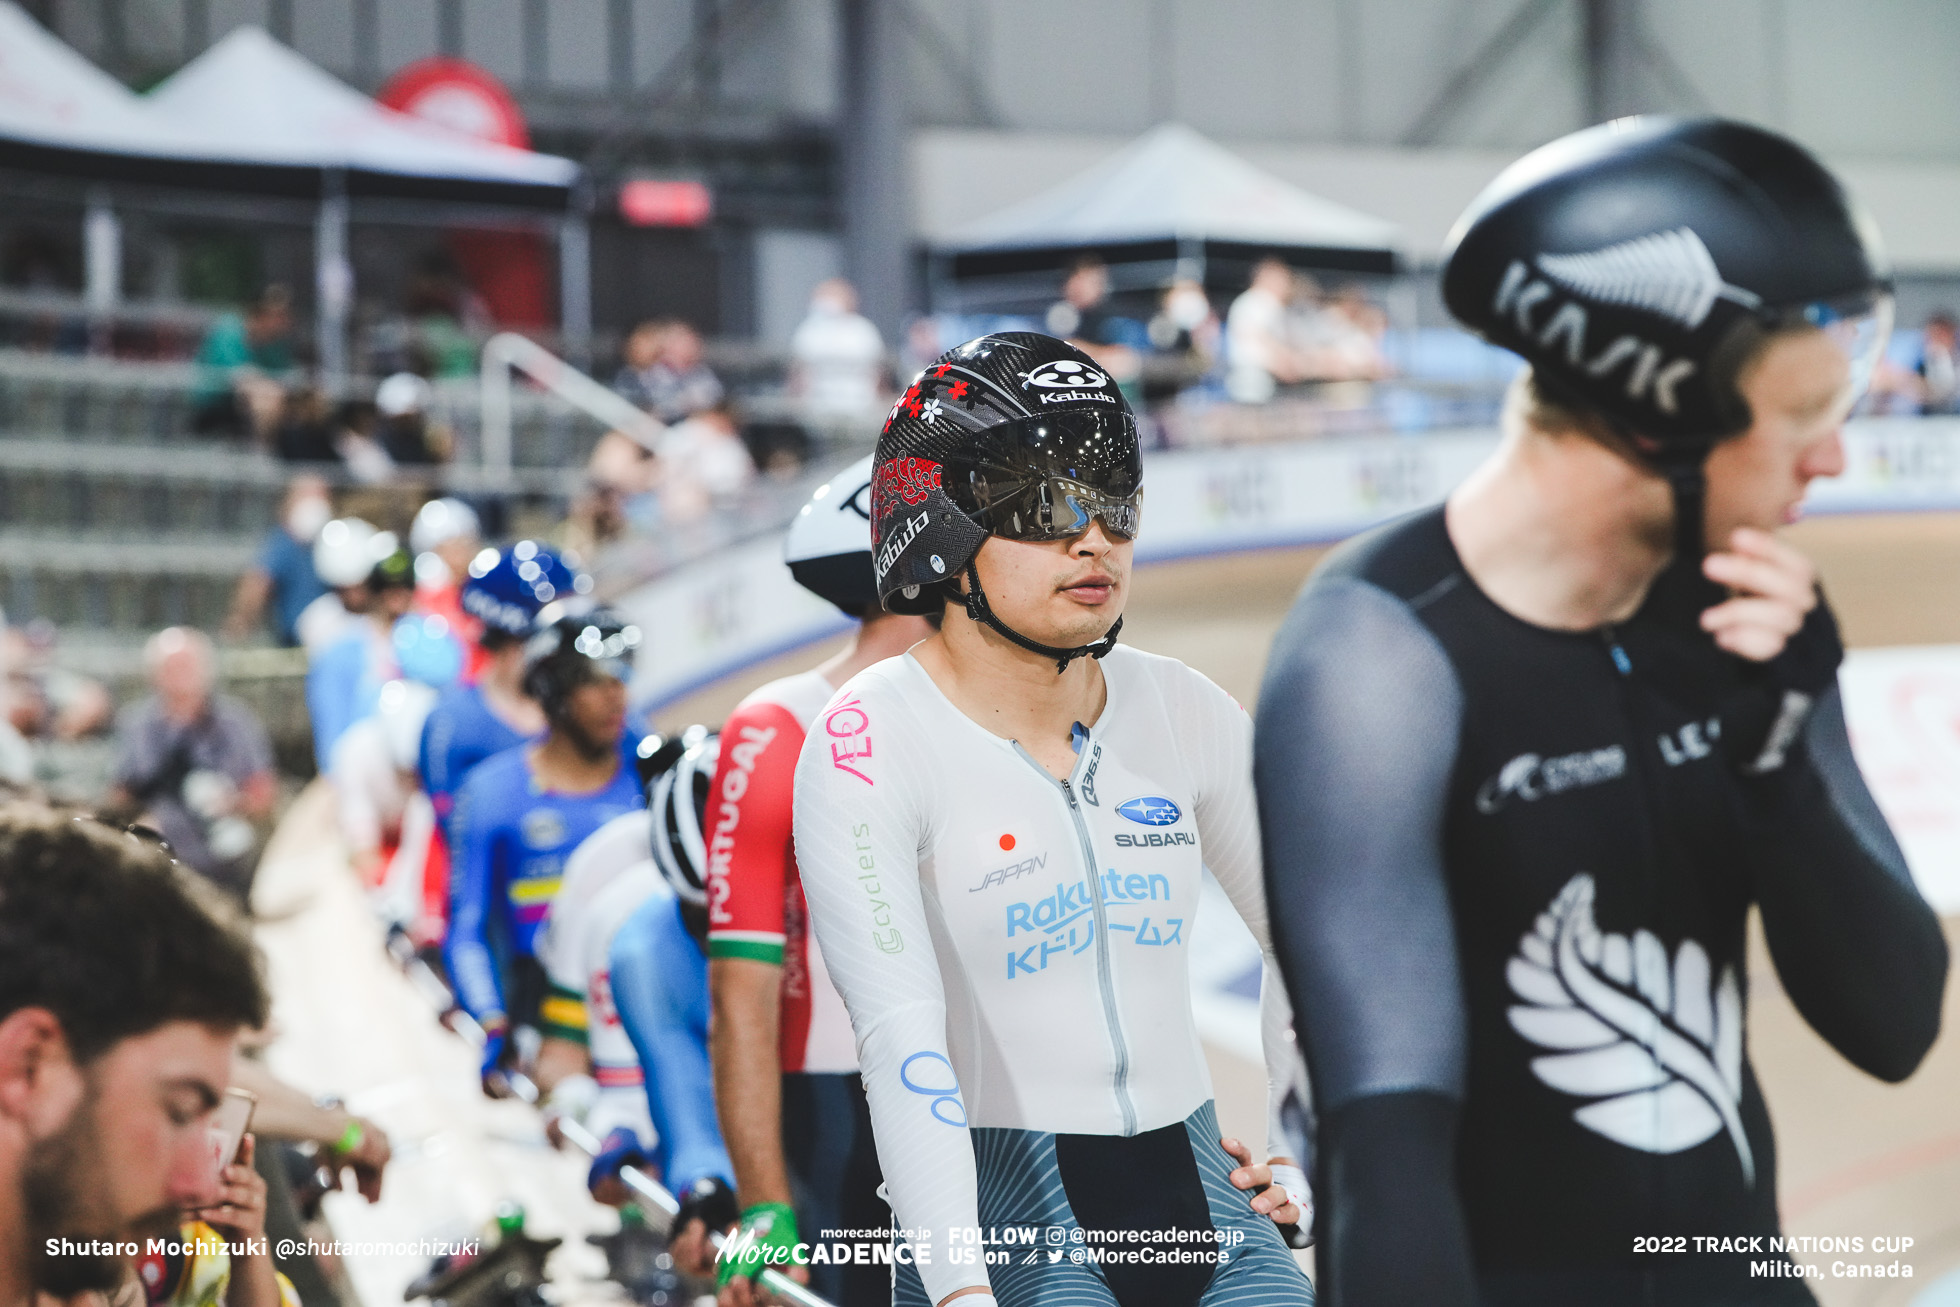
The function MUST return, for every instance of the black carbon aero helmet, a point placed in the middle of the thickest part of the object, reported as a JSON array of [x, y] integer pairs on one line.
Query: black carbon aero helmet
[[1016, 433], [1635, 265], [828, 547], [568, 649]]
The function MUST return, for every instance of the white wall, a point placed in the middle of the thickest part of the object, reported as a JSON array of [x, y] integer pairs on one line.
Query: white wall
[[788, 265], [1863, 79]]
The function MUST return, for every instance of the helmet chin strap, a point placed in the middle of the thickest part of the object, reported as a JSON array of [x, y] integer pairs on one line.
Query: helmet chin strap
[[1690, 486], [978, 609]]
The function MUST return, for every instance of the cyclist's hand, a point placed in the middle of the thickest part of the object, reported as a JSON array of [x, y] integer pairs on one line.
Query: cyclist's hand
[[768, 1229], [620, 1149], [1274, 1202], [495, 1083], [368, 1159], [690, 1251], [1774, 587], [744, 1292]]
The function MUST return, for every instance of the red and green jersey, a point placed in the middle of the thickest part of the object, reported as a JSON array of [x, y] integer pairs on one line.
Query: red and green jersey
[[755, 896]]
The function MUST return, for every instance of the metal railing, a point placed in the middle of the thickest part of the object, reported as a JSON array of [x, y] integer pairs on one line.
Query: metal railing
[[508, 351]]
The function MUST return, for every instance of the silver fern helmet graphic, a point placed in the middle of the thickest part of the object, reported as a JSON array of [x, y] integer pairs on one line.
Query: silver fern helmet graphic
[[1654, 1044], [1670, 273]]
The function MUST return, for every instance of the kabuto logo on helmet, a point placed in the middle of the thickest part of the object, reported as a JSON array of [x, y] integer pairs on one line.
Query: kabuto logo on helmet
[[1063, 374], [1063, 381]]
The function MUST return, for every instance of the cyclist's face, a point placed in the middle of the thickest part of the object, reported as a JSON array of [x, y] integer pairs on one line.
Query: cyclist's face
[[1059, 592], [1799, 395], [595, 715]]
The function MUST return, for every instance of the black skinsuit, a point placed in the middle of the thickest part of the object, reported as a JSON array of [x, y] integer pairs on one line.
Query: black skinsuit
[[1510, 871]]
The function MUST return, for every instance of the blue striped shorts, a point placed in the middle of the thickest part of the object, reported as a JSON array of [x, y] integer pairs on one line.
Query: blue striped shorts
[[1086, 1199]]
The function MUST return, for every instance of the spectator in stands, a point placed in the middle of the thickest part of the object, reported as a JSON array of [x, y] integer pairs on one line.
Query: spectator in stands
[[1260, 352], [679, 384], [123, 989], [16, 754], [50, 702], [1185, 329], [1082, 317], [436, 330], [637, 360], [282, 578], [921, 340], [242, 363], [406, 433], [1351, 329], [305, 432], [194, 763], [442, 312], [357, 438], [1185, 322], [701, 464], [1939, 364], [837, 357]]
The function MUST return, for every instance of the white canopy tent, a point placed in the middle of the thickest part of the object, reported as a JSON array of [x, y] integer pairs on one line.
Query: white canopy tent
[[53, 98], [60, 112], [254, 100], [252, 117], [1170, 196]]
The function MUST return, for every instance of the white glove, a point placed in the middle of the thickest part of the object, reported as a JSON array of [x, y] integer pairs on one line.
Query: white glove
[[572, 1097], [1294, 1181]]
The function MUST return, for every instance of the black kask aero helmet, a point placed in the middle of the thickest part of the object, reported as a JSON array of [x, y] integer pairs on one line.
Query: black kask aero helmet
[[1014, 434], [1636, 265]]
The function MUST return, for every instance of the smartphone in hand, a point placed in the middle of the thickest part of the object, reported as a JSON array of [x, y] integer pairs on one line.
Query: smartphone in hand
[[226, 1131]]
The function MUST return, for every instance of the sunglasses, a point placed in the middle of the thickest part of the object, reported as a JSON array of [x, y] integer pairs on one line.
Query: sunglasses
[[1047, 477]]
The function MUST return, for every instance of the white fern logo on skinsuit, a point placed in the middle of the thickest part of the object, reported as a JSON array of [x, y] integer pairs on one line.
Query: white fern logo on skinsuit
[[1658, 1047], [1670, 273]]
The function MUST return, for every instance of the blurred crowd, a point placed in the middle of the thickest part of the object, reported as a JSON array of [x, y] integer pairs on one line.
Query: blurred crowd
[[386, 634], [250, 387], [1924, 377], [710, 450], [1280, 335]]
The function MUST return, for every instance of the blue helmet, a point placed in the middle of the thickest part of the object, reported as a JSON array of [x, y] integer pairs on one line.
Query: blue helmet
[[506, 588]]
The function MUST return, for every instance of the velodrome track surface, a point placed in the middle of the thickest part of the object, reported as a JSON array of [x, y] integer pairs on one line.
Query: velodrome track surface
[[1857, 1158]]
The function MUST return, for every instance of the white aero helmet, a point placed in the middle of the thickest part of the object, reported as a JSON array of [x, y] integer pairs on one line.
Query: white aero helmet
[[402, 709], [347, 550], [441, 520], [677, 797], [829, 544]]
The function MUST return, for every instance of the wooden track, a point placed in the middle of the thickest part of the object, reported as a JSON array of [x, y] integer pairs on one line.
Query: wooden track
[[348, 1023]]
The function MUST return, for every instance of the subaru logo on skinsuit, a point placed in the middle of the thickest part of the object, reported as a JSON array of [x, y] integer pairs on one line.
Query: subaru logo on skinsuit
[[1150, 811]]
